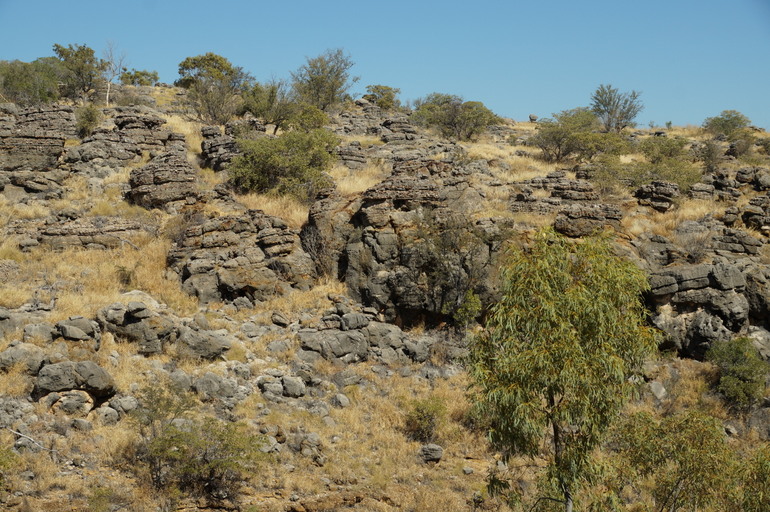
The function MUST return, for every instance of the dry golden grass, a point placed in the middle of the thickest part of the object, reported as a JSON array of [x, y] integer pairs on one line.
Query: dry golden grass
[[287, 208], [366, 141], [87, 280], [689, 131], [315, 299], [13, 210], [664, 224], [16, 382], [191, 131], [351, 182]]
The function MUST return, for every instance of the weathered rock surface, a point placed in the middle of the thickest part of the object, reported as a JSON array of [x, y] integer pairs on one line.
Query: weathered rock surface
[[658, 195], [406, 247], [253, 255], [66, 376], [168, 183]]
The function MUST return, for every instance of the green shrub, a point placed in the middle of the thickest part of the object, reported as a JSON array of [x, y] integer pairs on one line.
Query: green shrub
[[383, 96], [8, 463], [656, 149], [727, 123], [742, 371], [307, 118], [31, 83], [573, 133], [710, 154], [423, 419], [293, 164], [87, 119], [139, 77], [453, 117]]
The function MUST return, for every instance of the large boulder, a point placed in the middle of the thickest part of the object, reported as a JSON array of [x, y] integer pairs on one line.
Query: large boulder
[[253, 255], [70, 375], [168, 183]]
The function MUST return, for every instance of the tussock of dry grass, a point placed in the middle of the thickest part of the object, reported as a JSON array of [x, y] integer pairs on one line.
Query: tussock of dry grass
[[315, 299], [192, 134], [84, 281], [287, 208], [664, 224], [351, 182]]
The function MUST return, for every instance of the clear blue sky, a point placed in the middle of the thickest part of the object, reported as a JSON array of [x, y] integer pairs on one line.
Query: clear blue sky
[[690, 59]]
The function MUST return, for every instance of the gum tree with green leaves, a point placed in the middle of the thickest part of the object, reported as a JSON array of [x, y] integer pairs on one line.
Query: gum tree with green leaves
[[552, 368]]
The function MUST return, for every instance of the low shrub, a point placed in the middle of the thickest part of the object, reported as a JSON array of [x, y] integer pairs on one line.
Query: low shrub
[[87, 119], [742, 371], [292, 164], [423, 419]]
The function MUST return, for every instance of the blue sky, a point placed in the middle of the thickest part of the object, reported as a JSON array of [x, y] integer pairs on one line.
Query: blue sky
[[690, 59]]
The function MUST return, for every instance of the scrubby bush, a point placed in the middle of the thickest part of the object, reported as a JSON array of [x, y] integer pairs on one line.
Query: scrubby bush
[[728, 123], [560, 137], [383, 96], [214, 86], [31, 83], [453, 117], [324, 81], [87, 119], [742, 371], [615, 109], [139, 77], [656, 149], [272, 102], [202, 458], [423, 418], [293, 164], [710, 153], [84, 70], [307, 118]]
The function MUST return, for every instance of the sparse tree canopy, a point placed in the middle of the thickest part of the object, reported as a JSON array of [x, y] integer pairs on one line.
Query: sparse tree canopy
[[562, 136], [324, 80], [84, 70], [112, 67], [615, 109], [383, 96], [139, 77], [214, 86], [552, 367], [453, 117], [273, 102]]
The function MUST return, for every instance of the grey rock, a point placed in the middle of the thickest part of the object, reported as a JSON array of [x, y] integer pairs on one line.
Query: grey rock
[[30, 356], [431, 453], [68, 375], [293, 387]]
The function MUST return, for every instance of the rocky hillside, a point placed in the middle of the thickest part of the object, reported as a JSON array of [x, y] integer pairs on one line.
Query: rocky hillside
[[137, 290]]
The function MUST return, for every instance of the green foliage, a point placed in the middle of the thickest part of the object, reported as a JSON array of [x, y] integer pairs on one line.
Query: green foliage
[[383, 96], [87, 118], [209, 458], [307, 118], [612, 172], [33, 83], [656, 149], [84, 70], [686, 455], [204, 458], [423, 419], [139, 77], [728, 123], [324, 81], [8, 464], [554, 361], [742, 371], [710, 153], [453, 117], [468, 310], [756, 481], [564, 135], [214, 86], [293, 163], [272, 102], [615, 109]]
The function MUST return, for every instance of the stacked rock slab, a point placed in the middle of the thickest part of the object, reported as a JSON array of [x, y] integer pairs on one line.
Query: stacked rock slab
[[406, 247], [31, 143], [168, 183], [254, 255]]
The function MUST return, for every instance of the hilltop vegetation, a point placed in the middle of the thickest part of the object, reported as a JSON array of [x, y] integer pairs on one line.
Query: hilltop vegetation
[[238, 295]]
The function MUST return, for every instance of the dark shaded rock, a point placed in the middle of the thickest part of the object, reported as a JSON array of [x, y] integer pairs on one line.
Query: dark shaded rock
[[28, 355], [69, 375], [252, 255], [138, 324], [658, 195], [203, 344]]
